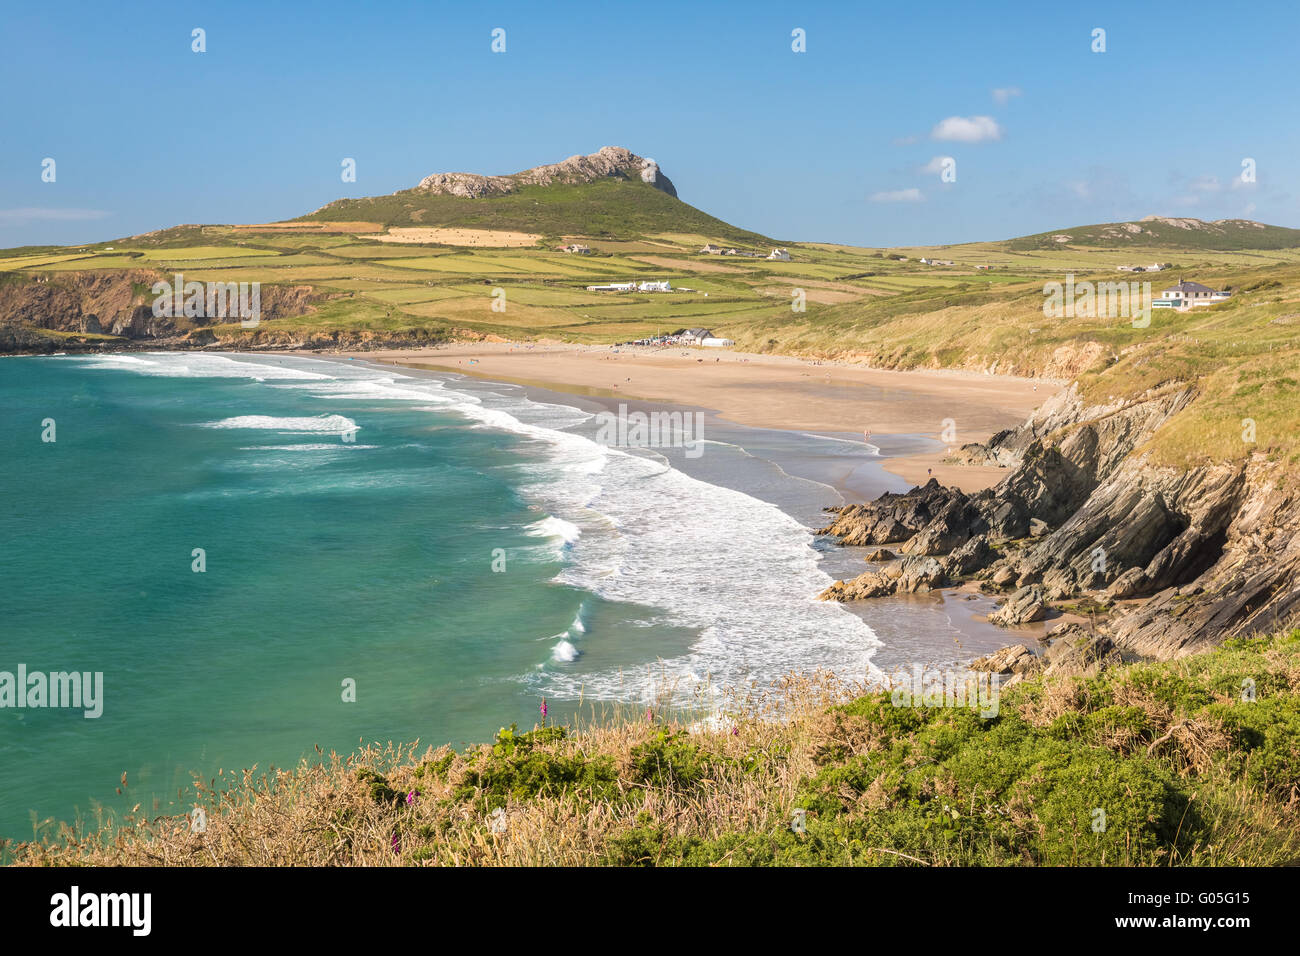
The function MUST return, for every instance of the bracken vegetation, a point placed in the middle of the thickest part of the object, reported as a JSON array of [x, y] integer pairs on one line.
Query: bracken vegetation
[[1189, 762]]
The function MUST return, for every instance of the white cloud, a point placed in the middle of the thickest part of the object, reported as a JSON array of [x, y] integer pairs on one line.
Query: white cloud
[[935, 166], [36, 214], [1004, 93], [898, 195], [967, 129], [1205, 184]]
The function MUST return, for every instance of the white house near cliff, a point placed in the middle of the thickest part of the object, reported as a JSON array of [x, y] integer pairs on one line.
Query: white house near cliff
[[1186, 295], [780, 255]]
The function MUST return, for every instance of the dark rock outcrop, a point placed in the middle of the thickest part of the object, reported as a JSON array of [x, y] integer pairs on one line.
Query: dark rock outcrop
[[1182, 558]]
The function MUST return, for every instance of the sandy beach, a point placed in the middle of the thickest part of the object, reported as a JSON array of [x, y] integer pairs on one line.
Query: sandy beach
[[769, 392]]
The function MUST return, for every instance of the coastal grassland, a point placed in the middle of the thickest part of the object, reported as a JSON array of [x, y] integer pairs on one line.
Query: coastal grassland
[[1192, 762], [1242, 355]]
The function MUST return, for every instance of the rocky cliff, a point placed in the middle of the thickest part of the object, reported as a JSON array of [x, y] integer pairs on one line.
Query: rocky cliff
[[1177, 559], [609, 161], [113, 309]]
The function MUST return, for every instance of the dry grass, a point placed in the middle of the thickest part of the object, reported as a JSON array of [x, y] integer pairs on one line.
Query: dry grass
[[1187, 772], [325, 812]]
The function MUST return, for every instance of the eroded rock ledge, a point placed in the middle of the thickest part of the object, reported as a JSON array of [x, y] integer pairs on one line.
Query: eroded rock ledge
[[1177, 560]]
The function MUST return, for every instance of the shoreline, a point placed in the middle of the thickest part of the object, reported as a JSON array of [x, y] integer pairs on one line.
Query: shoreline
[[948, 624], [765, 391]]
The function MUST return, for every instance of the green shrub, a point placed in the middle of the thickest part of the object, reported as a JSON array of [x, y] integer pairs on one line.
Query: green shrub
[[517, 768]]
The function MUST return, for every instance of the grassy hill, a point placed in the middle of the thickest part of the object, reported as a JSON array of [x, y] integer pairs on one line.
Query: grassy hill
[[1160, 232], [607, 208]]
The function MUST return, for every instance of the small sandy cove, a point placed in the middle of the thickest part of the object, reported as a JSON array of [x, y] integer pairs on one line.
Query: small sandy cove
[[767, 391]]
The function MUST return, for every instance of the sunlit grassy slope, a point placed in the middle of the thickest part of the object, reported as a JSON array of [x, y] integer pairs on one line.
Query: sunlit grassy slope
[[606, 207]]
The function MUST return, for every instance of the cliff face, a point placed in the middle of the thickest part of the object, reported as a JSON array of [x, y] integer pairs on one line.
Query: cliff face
[[90, 305], [1183, 558]]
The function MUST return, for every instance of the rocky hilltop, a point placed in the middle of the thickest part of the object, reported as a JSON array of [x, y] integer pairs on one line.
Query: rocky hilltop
[[1166, 231], [608, 161], [1175, 560]]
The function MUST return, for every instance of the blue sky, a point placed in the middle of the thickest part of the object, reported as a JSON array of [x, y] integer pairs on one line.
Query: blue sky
[[832, 144]]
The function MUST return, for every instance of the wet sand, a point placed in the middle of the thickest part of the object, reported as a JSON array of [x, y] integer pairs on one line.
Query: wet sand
[[928, 411]]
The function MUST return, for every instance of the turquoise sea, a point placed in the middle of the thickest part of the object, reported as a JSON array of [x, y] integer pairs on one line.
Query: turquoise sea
[[349, 518]]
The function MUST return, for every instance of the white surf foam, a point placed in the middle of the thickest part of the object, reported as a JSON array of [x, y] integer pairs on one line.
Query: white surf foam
[[564, 652], [311, 446], [198, 365], [330, 424], [553, 527]]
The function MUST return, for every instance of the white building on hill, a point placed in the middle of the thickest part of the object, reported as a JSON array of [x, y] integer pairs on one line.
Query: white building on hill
[[780, 255], [1186, 295]]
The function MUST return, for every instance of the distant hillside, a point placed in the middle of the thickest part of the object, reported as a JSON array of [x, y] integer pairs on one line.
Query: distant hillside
[[1154, 231], [610, 193]]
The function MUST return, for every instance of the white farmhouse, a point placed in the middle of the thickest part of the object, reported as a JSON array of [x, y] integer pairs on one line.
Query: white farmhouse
[[780, 255], [1186, 295], [663, 286]]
